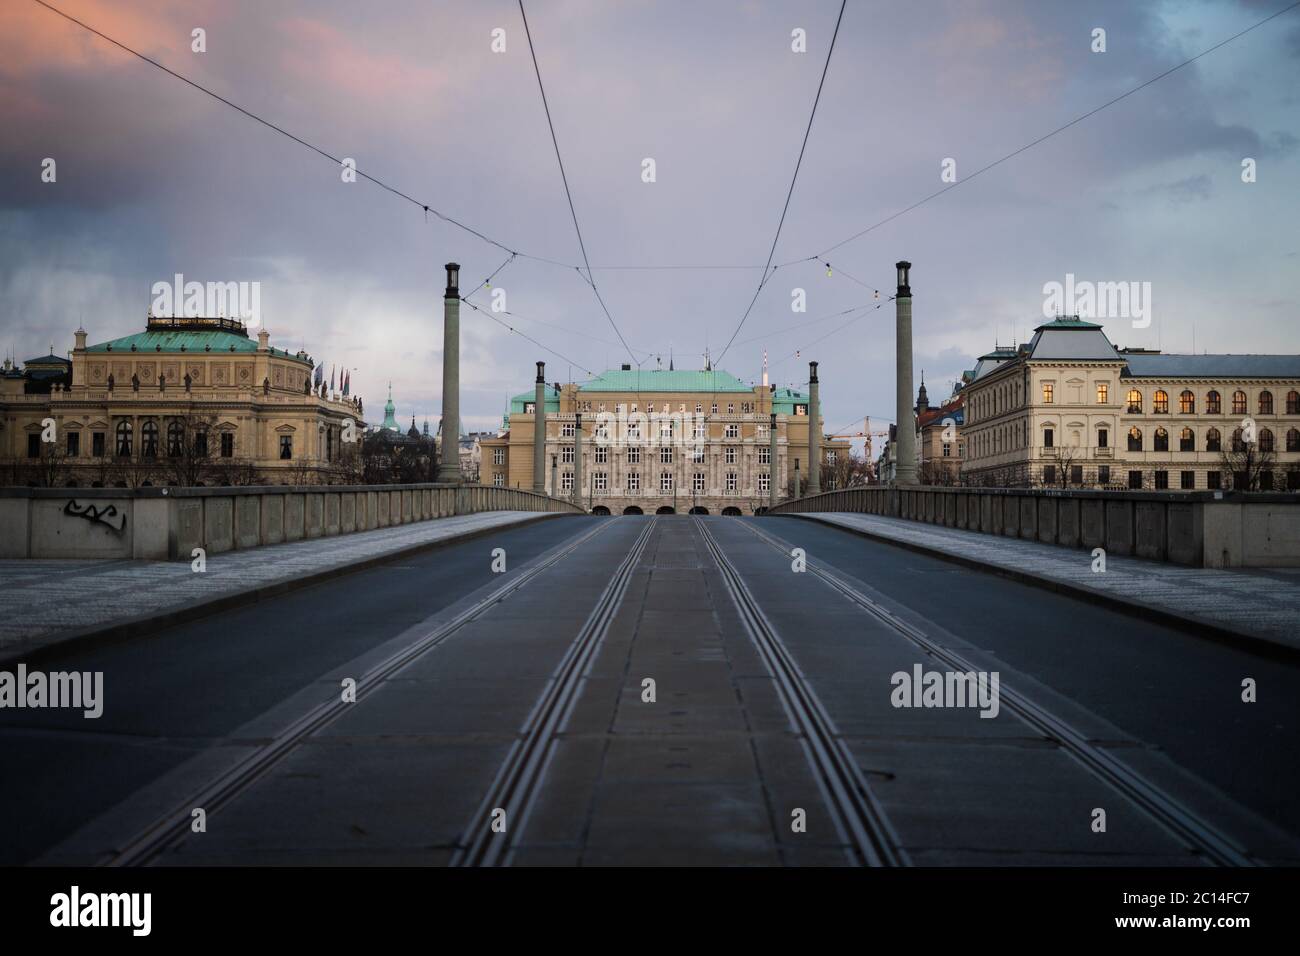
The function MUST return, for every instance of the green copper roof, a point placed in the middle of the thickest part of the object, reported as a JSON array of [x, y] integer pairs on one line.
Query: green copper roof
[[206, 341], [552, 400], [663, 380], [390, 420], [785, 399]]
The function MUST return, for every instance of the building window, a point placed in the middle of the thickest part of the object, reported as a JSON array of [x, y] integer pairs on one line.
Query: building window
[[74, 444], [1187, 480], [1162, 481], [499, 479], [1049, 474], [633, 481], [764, 482], [1187, 403], [1187, 440], [731, 482], [1213, 480], [1265, 440], [1135, 480], [1134, 400], [602, 455], [530, 407], [699, 408], [566, 481], [947, 449], [286, 447], [1212, 440], [666, 455], [566, 454], [697, 454], [1135, 439], [714, 406], [665, 481], [149, 439], [634, 456], [800, 410], [175, 439], [1265, 481], [1162, 440], [830, 458], [34, 445], [731, 408], [1103, 474], [1103, 438], [1160, 402], [1213, 404], [1239, 402], [97, 444], [201, 443], [600, 481], [733, 431], [697, 482], [1048, 437], [498, 456], [1293, 403], [1292, 440], [227, 444], [1237, 444], [765, 455], [1103, 393], [123, 439], [730, 455], [567, 429], [1047, 393], [700, 431], [1266, 403]]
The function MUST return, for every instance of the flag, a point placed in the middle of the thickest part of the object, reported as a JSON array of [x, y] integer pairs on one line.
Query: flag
[[331, 378], [347, 383], [320, 375]]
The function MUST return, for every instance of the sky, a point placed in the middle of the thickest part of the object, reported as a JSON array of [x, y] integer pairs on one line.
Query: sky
[[154, 178]]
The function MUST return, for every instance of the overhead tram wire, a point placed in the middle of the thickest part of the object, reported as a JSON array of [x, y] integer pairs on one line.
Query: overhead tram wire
[[582, 246], [767, 269], [525, 335], [1046, 136]]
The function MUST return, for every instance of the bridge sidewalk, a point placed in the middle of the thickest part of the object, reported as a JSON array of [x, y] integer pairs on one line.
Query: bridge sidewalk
[[1257, 605], [44, 603]]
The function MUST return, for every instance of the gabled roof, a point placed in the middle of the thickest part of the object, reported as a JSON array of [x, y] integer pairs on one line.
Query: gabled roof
[[664, 380]]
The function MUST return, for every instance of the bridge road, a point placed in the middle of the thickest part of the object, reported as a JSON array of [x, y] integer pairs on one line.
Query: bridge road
[[772, 700]]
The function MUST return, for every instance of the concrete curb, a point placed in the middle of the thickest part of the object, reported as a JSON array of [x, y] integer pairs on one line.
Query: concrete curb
[[1262, 644], [141, 624]]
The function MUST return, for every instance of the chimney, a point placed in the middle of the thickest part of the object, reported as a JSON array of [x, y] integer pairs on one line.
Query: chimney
[[626, 367], [449, 458], [539, 431], [905, 459], [263, 337], [80, 336], [765, 368]]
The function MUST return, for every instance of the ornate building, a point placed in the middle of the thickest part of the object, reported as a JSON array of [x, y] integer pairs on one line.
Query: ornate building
[[645, 463], [1069, 409], [187, 401]]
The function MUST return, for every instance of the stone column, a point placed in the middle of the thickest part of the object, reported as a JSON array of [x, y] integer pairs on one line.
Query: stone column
[[449, 460], [539, 431], [577, 458], [905, 464], [814, 432], [771, 464]]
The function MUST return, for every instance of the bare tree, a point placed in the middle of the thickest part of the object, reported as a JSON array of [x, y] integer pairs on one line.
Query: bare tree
[[1246, 463], [188, 450]]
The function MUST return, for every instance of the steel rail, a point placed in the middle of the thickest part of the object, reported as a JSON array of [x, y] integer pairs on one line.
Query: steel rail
[[1183, 823], [854, 808], [174, 827], [517, 783]]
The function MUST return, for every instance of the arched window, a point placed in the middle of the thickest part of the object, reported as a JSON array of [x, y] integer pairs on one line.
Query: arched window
[[1135, 439], [1213, 440], [175, 439], [1265, 440], [1292, 440], [123, 439], [1160, 402], [1187, 403], [1237, 444], [1213, 403], [149, 440], [1134, 400], [1187, 440], [1239, 402], [1266, 403], [1293, 402], [1162, 440]]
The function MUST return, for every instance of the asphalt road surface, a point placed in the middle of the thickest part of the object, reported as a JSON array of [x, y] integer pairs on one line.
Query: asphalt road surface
[[662, 690]]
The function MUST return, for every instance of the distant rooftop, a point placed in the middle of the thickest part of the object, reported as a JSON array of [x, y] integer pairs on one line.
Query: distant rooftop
[[664, 380], [1154, 365]]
